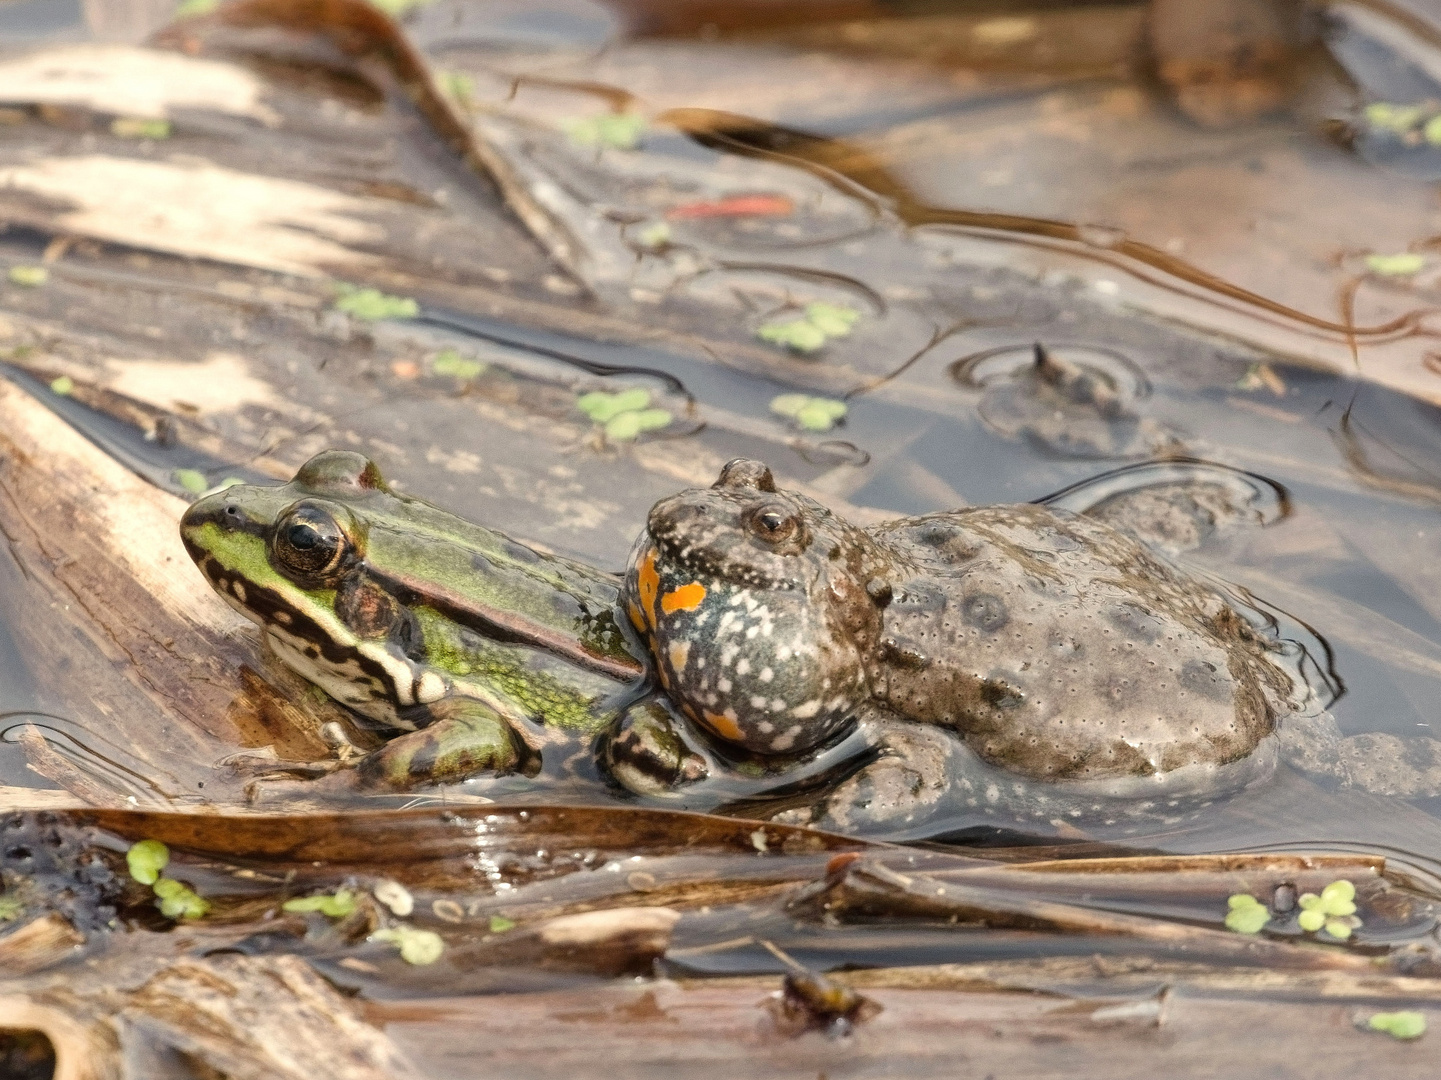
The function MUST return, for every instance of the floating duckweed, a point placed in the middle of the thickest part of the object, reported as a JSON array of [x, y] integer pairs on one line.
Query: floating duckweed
[[418, 947], [820, 322], [138, 127], [601, 406], [1403, 265], [1432, 131], [810, 413], [1246, 914], [190, 8], [629, 425], [336, 905], [62, 385], [618, 131], [834, 320], [798, 335], [655, 235], [1397, 119], [1333, 911], [146, 858], [450, 362], [499, 924], [192, 480], [396, 8], [1407, 1024], [372, 305], [457, 86], [11, 907], [624, 415], [179, 901], [29, 277]]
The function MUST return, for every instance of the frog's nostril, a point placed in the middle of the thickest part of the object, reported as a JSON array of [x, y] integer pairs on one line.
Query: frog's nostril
[[232, 511]]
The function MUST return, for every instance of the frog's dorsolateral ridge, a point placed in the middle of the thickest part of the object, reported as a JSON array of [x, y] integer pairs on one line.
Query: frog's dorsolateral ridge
[[1056, 647]]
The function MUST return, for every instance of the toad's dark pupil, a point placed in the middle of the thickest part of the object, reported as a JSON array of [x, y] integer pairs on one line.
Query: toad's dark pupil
[[303, 537], [771, 521]]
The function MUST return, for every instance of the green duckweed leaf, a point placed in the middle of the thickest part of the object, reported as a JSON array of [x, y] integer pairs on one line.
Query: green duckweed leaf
[[146, 858], [655, 235], [1402, 265], [192, 480], [139, 127], [372, 305], [798, 335], [616, 131], [336, 905], [457, 86], [1246, 914], [396, 8], [820, 414], [178, 900], [418, 947], [190, 8], [1338, 898], [789, 404], [601, 406], [810, 413], [450, 362], [1406, 1024], [833, 320], [1312, 920], [11, 907], [1397, 119], [1338, 928], [1432, 131], [62, 385], [499, 924], [628, 425], [28, 277]]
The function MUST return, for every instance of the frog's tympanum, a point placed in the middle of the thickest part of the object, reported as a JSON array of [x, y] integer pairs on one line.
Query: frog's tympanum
[[483, 648], [1054, 653]]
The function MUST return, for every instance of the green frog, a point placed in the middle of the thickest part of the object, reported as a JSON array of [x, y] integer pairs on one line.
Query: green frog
[[484, 654]]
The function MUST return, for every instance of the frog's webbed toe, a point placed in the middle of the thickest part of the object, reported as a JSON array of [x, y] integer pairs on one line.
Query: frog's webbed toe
[[471, 740], [645, 752]]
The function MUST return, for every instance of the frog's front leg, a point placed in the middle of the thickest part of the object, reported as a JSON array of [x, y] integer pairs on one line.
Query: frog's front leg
[[903, 784], [645, 752], [467, 739]]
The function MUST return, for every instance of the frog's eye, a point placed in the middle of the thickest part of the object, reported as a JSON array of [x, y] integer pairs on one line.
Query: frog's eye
[[309, 542], [773, 523]]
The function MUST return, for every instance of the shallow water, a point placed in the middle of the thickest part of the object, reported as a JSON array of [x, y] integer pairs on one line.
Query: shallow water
[[969, 210]]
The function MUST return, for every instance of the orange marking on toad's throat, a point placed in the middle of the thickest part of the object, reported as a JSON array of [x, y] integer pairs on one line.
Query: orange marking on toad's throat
[[649, 581], [684, 598], [636, 618], [723, 726]]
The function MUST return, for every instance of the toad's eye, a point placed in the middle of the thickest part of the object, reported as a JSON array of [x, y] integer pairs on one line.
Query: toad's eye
[[774, 524], [308, 542]]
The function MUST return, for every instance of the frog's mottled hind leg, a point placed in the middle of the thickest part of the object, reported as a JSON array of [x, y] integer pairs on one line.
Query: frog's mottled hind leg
[[901, 787], [469, 740], [645, 752], [1402, 766]]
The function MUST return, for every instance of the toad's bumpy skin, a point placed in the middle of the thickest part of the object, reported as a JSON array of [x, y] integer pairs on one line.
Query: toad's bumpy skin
[[1056, 646]]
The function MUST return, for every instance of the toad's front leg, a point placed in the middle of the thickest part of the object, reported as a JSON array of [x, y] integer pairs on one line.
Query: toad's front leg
[[902, 786]]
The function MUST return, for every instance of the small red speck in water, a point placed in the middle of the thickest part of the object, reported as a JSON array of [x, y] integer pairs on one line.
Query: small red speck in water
[[735, 206]]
